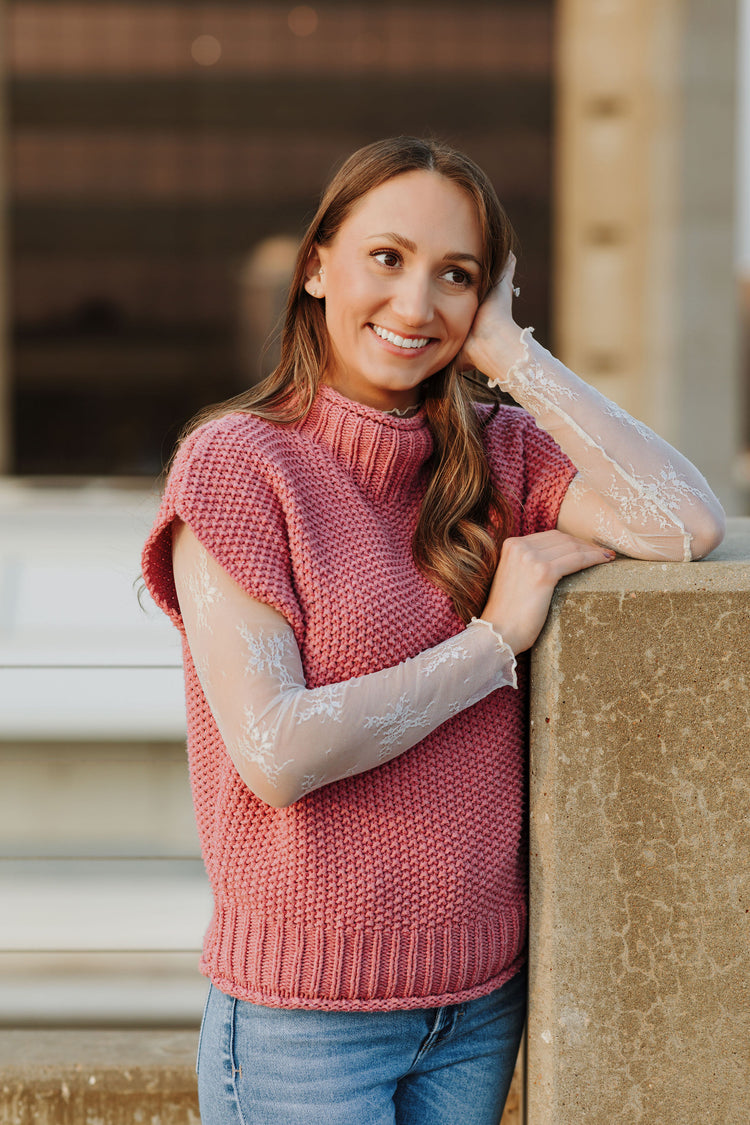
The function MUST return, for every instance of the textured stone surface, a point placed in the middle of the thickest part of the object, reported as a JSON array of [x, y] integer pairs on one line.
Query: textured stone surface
[[98, 1078], [117, 1078], [640, 846]]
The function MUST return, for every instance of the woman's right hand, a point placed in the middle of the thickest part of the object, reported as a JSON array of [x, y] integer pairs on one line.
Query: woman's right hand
[[529, 569]]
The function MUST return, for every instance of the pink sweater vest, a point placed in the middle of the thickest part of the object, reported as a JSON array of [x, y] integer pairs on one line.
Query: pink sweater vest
[[404, 886]]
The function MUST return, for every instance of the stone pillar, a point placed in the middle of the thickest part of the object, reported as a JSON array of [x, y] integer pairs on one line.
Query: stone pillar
[[640, 849], [645, 292], [5, 405]]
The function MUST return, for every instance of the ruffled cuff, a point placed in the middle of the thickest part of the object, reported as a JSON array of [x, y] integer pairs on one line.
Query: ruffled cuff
[[503, 649]]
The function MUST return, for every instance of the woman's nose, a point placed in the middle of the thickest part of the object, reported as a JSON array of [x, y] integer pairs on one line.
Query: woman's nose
[[412, 301]]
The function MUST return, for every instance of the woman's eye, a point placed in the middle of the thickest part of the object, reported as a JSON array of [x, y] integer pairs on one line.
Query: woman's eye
[[458, 277], [386, 257]]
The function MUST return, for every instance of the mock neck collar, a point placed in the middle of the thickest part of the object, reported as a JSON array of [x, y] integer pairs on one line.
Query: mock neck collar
[[383, 452]]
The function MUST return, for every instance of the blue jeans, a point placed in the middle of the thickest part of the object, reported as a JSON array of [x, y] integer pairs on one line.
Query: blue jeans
[[281, 1066]]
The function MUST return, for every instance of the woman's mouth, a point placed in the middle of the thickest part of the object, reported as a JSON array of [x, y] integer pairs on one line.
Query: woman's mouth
[[409, 344]]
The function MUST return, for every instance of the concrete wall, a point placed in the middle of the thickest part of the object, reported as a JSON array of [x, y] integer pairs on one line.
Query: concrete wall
[[645, 287], [640, 846]]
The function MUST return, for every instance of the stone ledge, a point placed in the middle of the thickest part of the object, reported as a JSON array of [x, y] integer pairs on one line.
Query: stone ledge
[[727, 568], [43, 1080], [640, 854], [93, 1077]]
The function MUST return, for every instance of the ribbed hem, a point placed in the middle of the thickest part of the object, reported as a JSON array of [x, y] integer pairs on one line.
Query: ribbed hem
[[286, 966]]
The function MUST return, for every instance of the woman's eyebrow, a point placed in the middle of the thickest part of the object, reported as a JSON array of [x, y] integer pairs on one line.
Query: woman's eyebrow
[[411, 248], [461, 257], [398, 240]]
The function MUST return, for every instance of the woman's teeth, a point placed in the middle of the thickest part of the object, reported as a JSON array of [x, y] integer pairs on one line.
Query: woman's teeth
[[400, 341]]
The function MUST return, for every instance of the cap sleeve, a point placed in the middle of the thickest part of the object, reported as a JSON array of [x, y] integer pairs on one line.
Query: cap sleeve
[[231, 495], [548, 473], [528, 466]]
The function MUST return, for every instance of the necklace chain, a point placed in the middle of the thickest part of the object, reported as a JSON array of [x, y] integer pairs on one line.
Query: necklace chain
[[405, 413]]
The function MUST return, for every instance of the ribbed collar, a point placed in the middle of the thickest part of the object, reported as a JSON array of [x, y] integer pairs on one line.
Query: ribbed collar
[[382, 451]]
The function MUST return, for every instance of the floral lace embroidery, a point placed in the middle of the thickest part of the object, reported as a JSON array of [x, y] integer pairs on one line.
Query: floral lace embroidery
[[391, 727], [203, 591], [323, 702], [578, 487], [660, 499], [645, 502], [268, 653], [529, 374], [673, 489], [203, 671], [612, 410], [608, 536], [311, 781], [447, 655], [257, 745]]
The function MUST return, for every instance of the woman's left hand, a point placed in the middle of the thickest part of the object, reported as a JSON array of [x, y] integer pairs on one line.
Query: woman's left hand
[[493, 318]]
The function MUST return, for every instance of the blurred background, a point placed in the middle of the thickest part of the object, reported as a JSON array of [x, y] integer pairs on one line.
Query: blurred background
[[158, 163], [163, 159]]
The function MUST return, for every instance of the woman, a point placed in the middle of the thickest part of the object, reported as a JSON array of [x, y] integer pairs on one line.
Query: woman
[[356, 554]]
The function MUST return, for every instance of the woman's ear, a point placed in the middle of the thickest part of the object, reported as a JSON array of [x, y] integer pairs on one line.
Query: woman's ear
[[315, 275]]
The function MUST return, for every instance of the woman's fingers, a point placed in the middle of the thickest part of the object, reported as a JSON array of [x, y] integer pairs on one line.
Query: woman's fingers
[[561, 554], [529, 569], [494, 313], [509, 271]]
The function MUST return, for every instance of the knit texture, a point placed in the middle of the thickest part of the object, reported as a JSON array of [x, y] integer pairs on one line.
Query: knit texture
[[404, 886]]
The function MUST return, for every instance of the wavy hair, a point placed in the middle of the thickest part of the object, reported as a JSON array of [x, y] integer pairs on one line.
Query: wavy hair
[[463, 517]]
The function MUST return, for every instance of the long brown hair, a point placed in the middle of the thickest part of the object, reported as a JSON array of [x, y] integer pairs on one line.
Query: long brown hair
[[464, 517]]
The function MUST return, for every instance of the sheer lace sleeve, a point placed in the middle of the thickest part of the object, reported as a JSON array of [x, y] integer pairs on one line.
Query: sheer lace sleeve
[[633, 492], [286, 739]]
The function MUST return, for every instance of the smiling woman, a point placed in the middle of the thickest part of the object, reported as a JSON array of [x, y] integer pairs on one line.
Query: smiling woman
[[358, 556], [398, 305]]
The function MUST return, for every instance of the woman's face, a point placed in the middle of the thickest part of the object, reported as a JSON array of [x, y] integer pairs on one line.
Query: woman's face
[[401, 286]]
